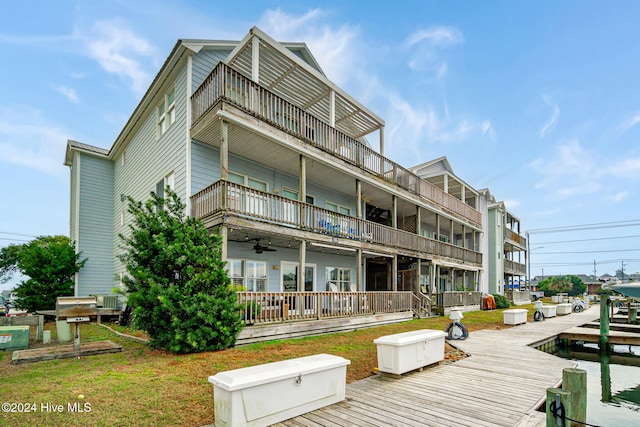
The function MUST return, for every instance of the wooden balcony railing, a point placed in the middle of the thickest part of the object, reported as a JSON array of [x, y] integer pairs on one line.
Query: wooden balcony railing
[[226, 83], [515, 238], [275, 307], [515, 267], [224, 196], [457, 299]]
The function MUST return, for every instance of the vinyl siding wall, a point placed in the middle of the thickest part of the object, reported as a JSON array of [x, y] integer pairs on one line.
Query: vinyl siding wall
[[203, 62], [148, 160], [93, 231]]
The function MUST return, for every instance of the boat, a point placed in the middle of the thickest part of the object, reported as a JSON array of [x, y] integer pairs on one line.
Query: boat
[[631, 289]]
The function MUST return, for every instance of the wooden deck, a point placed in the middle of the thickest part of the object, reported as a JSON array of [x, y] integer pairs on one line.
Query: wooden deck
[[500, 384]]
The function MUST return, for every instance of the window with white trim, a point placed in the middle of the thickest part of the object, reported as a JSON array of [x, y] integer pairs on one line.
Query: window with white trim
[[340, 276], [293, 194], [250, 274], [167, 181], [166, 111]]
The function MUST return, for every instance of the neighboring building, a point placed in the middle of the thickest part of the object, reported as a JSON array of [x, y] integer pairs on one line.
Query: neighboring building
[[505, 254], [272, 155], [593, 283]]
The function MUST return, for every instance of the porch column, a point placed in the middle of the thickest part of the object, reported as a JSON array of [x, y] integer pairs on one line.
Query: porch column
[[255, 59], [332, 108], [464, 236], [394, 273], [359, 286], [419, 267], [224, 233], [437, 227], [303, 179], [358, 199], [451, 231], [464, 279], [418, 222], [463, 195], [302, 260], [394, 211], [446, 183], [224, 150], [381, 150]]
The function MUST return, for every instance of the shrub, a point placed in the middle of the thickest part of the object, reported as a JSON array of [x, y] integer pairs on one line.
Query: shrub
[[501, 301], [176, 281]]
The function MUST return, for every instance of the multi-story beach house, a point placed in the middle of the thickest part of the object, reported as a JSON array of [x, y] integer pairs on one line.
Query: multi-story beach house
[[290, 170]]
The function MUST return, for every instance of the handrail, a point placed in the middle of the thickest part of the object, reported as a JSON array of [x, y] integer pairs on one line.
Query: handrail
[[226, 83], [276, 307], [421, 304], [225, 196]]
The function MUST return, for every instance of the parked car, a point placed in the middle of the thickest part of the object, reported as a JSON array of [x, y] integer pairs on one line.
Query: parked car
[[536, 295]]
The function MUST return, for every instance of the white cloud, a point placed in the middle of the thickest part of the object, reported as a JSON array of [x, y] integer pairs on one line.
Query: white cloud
[[28, 140], [553, 120], [618, 197], [436, 36], [427, 48], [631, 122], [119, 50], [69, 93], [334, 47], [568, 171], [512, 204], [628, 168]]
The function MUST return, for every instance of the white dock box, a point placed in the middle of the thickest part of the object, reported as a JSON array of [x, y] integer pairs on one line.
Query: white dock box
[[400, 353], [564, 308], [548, 311], [515, 316], [267, 394]]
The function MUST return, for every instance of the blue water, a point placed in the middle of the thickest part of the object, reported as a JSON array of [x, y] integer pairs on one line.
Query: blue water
[[617, 403]]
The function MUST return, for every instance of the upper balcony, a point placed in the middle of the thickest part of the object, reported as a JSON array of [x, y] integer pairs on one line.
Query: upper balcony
[[221, 200], [229, 85], [516, 239]]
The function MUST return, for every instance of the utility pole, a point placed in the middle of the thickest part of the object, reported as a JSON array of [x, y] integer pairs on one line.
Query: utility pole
[[528, 261], [594, 267]]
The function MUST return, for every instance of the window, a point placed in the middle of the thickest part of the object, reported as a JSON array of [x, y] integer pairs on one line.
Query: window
[[293, 194], [167, 111], [167, 181], [337, 208], [250, 274], [340, 276]]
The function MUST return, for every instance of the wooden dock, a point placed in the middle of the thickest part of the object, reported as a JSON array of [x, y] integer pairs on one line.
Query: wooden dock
[[501, 383]]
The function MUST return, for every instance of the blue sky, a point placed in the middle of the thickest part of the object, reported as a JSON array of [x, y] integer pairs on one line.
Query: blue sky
[[537, 101]]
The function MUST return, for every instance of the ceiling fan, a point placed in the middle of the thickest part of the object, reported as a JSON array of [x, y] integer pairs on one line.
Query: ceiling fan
[[261, 248]]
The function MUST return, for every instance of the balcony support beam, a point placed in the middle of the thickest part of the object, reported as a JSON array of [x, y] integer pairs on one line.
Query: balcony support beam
[[224, 150], [302, 261]]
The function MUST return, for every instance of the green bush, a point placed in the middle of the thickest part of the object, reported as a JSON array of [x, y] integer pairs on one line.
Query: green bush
[[501, 301], [176, 281]]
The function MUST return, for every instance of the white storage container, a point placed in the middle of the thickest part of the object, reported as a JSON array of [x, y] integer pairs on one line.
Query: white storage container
[[267, 394], [515, 316], [548, 311], [400, 353], [564, 308]]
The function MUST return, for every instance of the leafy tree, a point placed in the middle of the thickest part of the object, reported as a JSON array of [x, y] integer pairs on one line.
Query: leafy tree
[[50, 262], [176, 282], [571, 285]]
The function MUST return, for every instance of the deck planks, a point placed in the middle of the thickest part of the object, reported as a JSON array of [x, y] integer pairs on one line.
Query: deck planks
[[500, 384]]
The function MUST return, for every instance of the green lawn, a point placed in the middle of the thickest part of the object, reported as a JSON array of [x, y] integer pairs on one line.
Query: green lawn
[[146, 387]]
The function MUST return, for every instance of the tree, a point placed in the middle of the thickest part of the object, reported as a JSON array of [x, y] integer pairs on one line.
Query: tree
[[571, 285], [176, 281], [50, 262]]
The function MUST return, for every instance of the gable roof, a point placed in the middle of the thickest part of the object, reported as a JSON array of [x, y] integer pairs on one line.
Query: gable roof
[[84, 148], [290, 66]]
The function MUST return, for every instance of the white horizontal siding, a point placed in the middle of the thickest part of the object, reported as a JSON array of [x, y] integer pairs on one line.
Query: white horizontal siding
[[95, 227]]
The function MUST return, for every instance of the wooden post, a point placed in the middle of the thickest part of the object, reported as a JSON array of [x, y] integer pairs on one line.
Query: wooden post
[[632, 314], [575, 381], [564, 401], [604, 324]]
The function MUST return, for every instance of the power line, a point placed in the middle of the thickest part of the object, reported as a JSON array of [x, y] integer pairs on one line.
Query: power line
[[17, 234], [615, 224], [586, 252], [14, 240], [586, 240]]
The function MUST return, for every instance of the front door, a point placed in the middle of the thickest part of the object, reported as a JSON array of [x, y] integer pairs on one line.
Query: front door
[[290, 277]]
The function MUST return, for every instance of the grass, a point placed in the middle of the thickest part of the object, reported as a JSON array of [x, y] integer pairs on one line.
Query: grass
[[146, 387]]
